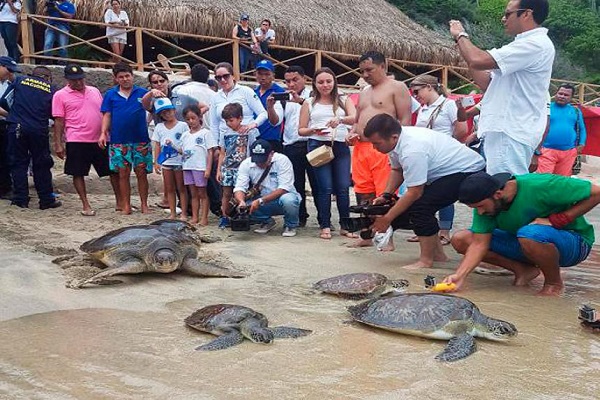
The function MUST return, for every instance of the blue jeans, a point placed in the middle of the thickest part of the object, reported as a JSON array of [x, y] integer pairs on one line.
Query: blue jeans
[[287, 205], [297, 154], [572, 249], [446, 217], [53, 35], [245, 57], [9, 33], [332, 178]]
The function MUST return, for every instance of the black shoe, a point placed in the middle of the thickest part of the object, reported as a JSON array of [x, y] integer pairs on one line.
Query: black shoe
[[21, 205], [55, 204]]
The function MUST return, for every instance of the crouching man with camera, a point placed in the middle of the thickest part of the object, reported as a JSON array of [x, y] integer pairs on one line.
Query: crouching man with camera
[[265, 187]]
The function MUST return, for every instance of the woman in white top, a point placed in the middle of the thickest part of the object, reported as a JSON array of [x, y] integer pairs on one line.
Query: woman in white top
[[117, 36], [324, 118], [439, 113]]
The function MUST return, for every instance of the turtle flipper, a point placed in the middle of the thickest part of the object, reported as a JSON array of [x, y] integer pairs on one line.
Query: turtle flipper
[[285, 332], [132, 267], [199, 268], [223, 342], [458, 347]]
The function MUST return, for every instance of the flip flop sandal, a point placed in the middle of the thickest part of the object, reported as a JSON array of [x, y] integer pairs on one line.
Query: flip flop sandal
[[444, 240], [90, 213], [325, 235], [413, 239]]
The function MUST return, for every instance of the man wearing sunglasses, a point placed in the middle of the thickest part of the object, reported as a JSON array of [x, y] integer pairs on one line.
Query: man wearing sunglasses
[[515, 78]]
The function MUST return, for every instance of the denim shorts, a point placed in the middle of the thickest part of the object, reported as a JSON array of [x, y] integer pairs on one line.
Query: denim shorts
[[572, 249]]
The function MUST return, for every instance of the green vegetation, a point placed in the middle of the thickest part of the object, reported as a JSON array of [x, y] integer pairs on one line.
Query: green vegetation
[[574, 26]]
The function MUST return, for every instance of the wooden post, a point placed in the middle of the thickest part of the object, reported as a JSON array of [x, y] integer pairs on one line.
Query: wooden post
[[139, 49], [581, 93], [235, 56], [27, 38], [318, 60], [445, 76]]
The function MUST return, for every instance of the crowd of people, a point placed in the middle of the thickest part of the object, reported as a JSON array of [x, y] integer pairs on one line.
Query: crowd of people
[[245, 150]]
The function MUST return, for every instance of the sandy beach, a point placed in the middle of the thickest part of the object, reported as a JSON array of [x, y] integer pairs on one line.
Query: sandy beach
[[128, 341]]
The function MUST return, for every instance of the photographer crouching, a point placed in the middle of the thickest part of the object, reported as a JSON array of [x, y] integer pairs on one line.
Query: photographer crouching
[[57, 31], [265, 187]]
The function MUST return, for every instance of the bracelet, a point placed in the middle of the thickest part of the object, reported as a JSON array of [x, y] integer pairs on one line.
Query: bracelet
[[560, 220]]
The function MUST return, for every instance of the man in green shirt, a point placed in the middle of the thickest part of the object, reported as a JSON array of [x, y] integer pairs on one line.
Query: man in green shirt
[[527, 224]]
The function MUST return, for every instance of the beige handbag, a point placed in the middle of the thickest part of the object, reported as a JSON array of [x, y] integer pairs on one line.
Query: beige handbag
[[322, 154]]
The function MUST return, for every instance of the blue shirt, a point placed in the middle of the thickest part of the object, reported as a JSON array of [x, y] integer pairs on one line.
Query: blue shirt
[[65, 6], [128, 116], [29, 102], [267, 130], [564, 120]]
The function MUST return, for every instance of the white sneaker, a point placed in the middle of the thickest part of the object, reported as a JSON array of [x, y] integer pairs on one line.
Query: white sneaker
[[289, 232], [266, 227]]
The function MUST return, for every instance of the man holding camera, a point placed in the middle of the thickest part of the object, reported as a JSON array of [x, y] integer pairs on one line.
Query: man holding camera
[[272, 176], [57, 31]]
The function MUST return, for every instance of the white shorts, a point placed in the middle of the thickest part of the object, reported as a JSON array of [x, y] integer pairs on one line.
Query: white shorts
[[117, 39], [504, 154]]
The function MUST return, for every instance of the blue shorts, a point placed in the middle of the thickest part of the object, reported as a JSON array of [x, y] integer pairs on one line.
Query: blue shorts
[[228, 176], [572, 249]]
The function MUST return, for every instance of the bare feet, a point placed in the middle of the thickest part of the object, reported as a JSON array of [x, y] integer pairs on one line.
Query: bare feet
[[145, 209], [528, 274], [551, 290], [125, 210], [172, 216], [204, 222], [183, 217], [350, 235], [441, 257], [194, 221], [361, 243], [418, 265]]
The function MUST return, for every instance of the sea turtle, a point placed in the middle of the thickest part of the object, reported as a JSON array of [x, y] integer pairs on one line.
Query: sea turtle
[[360, 285], [232, 323], [435, 316], [163, 246]]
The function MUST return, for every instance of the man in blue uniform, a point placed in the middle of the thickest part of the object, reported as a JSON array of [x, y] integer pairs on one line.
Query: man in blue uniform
[[270, 130], [28, 105], [58, 9]]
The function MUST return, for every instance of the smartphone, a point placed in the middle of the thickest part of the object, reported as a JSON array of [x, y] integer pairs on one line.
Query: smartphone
[[467, 101], [281, 96]]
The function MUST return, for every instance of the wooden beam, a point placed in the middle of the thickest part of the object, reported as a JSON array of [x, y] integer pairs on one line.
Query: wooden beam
[[139, 49]]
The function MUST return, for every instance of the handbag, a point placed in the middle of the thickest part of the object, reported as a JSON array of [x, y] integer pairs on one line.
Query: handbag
[[322, 154]]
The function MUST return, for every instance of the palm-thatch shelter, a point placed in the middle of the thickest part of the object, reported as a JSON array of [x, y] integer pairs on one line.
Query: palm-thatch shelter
[[346, 26]]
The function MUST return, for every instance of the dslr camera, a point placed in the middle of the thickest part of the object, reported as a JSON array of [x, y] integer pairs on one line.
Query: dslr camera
[[363, 222]]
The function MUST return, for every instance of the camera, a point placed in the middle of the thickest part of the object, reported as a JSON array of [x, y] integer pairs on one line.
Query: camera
[[587, 313], [362, 223], [281, 96], [240, 221]]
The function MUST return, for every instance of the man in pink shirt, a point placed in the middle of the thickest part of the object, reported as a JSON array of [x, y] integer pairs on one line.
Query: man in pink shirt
[[78, 122]]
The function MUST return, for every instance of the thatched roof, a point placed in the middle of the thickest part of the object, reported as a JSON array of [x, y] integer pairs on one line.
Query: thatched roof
[[347, 26]]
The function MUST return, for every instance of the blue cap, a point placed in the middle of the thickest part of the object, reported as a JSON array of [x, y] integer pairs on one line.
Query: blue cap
[[265, 64], [244, 16], [166, 152], [161, 104], [9, 63]]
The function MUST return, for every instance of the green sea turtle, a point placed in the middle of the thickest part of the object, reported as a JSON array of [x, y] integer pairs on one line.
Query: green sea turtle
[[435, 316], [233, 323], [163, 246], [360, 285]]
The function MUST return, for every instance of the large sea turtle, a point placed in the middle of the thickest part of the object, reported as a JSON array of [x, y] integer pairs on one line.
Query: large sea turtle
[[435, 316], [233, 323], [359, 285], [163, 246]]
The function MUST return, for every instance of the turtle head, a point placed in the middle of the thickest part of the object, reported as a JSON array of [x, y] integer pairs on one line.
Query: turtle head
[[260, 335], [164, 260], [499, 330]]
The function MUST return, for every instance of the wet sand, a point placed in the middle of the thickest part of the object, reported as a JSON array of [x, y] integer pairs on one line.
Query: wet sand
[[128, 341]]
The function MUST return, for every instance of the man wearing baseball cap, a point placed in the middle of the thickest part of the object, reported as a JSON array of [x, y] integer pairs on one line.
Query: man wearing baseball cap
[[78, 123], [527, 224], [270, 130], [277, 194]]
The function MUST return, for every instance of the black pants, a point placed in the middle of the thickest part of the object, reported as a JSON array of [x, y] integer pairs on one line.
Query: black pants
[[420, 216], [5, 180], [213, 189], [25, 145], [296, 152], [276, 145]]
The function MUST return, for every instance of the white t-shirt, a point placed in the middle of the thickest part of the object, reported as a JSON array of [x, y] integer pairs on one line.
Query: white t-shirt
[[445, 119], [243, 95], [320, 115], [192, 93], [110, 16], [7, 15], [425, 155], [292, 119], [268, 36], [161, 134], [281, 175], [195, 148], [515, 100]]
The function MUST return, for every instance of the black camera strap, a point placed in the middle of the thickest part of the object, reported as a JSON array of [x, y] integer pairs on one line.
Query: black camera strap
[[256, 186]]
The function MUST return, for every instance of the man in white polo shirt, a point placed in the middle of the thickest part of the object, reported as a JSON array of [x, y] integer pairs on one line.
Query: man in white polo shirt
[[515, 78], [433, 165], [277, 193]]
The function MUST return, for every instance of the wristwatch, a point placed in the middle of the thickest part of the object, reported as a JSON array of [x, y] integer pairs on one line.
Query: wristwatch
[[460, 35], [261, 201]]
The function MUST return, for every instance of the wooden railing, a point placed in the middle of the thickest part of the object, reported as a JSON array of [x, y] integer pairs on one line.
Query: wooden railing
[[345, 65]]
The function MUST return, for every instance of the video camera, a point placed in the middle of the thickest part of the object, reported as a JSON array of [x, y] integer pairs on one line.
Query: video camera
[[365, 221], [587, 313], [240, 220]]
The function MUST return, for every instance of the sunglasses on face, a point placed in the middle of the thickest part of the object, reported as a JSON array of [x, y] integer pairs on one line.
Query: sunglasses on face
[[415, 90], [223, 77], [158, 81], [507, 14]]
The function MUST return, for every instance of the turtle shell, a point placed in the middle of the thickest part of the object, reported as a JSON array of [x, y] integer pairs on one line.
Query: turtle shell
[[220, 318], [352, 284], [423, 314]]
